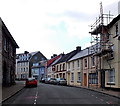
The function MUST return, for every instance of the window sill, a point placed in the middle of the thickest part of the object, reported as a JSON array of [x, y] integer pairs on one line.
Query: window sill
[[110, 83], [72, 81], [78, 81]]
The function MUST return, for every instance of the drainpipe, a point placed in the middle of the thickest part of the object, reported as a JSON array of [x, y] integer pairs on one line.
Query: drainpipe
[[88, 67]]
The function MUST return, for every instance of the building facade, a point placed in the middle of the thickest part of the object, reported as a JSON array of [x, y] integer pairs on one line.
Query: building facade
[[81, 69], [22, 65], [112, 74], [29, 64], [49, 67], [8, 55], [61, 65], [108, 53]]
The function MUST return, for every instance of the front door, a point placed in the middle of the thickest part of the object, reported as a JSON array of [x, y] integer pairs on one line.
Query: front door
[[68, 78], [85, 79], [103, 79]]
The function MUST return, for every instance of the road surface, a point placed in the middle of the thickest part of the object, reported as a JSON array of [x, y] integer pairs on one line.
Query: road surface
[[56, 94]]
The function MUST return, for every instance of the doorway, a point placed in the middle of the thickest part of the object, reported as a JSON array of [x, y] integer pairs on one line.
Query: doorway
[[85, 79]]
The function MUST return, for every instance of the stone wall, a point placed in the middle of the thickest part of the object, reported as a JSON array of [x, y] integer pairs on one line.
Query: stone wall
[[0, 61]]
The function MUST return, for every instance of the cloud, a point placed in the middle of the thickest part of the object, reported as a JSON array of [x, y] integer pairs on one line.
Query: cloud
[[51, 26]]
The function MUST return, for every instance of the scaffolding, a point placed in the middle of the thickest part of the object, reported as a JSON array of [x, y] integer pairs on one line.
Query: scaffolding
[[101, 46]]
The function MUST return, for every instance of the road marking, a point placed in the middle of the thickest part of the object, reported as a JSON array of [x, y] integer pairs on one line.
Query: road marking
[[35, 103], [36, 95], [107, 102]]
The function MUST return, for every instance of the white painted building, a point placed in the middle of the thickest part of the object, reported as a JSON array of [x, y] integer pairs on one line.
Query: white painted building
[[22, 65]]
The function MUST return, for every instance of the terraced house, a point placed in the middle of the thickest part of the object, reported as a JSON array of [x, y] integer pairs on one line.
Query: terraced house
[[81, 70], [61, 65], [49, 68], [111, 61]]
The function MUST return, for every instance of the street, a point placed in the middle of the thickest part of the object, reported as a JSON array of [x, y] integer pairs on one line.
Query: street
[[56, 94]]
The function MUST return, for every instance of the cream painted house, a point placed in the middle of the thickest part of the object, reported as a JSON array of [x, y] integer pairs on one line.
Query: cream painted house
[[112, 60], [81, 69], [74, 74], [109, 54]]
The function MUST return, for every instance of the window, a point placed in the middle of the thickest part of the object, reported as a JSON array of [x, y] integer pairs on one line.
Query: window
[[60, 67], [72, 76], [111, 76], [112, 53], [21, 70], [79, 79], [68, 65], [64, 66], [35, 64], [24, 69], [57, 67], [116, 30], [5, 44], [27, 69], [93, 61], [93, 78], [78, 63], [85, 62], [73, 64]]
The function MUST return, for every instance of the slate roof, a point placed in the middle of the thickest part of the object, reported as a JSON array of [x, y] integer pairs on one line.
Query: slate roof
[[85, 52], [113, 21], [67, 56], [4, 28]]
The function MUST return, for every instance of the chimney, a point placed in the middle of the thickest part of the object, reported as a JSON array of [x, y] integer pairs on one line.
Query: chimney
[[54, 55], [26, 52], [78, 48]]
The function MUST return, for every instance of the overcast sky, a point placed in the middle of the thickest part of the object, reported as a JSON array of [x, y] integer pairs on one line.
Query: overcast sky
[[52, 26]]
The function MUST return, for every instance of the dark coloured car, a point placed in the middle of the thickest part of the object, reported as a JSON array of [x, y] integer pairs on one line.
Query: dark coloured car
[[31, 82], [43, 80]]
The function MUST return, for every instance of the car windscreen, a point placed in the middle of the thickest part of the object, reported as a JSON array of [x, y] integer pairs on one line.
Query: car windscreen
[[30, 79]]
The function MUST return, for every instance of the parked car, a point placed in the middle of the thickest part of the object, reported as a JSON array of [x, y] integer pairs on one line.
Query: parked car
[[31, 82], [47, 80], [52, 81], [43, 80], [61, 81]]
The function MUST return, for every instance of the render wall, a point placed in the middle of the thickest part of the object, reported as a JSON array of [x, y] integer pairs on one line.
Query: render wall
[[114, 63]]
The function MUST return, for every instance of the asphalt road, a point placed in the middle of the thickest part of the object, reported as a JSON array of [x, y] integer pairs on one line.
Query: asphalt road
[[55, 94]]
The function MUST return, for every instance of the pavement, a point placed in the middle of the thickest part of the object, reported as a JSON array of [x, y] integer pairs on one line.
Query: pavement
[[114, 93], [7, 92]]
